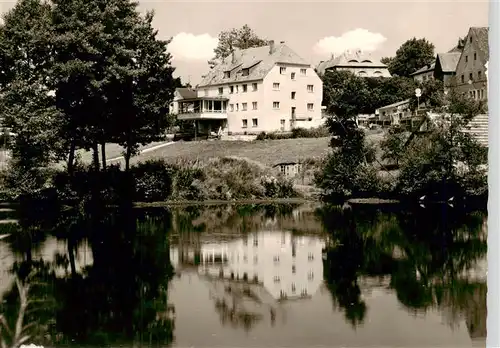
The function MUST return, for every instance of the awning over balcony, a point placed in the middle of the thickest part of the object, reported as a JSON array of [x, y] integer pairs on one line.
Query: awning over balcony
[[214, 108]]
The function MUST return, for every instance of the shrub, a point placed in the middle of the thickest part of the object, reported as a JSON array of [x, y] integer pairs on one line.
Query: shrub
[[153, 180], [319, 132]]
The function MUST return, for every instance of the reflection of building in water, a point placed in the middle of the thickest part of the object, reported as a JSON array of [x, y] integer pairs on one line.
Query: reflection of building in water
[[288, 266]]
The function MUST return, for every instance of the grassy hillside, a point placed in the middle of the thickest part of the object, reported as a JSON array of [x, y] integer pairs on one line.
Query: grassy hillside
[[267, 152]]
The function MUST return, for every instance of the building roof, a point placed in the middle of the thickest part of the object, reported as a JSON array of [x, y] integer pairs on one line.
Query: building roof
[[406, 101], [481, 34], [257, 59], [356, 59], [427, 68], [186, 93], [449, 60]]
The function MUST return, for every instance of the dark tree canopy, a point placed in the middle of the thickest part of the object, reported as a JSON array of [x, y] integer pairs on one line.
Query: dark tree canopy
[[347, 95], [241, 38], [411, 56]]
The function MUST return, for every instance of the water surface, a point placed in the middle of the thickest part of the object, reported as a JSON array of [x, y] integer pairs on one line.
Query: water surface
[[253, 276]]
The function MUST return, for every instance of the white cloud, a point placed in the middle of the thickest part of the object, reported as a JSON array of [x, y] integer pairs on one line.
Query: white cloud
[[355, 39], [186, 46]]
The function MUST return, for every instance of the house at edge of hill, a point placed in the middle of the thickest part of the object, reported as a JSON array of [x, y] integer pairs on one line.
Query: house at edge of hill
[[470, 75], [261, 89], [358, 62], [424, 74]]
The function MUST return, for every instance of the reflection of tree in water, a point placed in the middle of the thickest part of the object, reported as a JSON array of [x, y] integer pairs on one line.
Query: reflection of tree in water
[[122, 297], [240, 303], [425, 251]]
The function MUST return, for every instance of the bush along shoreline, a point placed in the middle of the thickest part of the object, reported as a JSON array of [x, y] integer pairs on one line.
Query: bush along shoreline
[[217, 179]]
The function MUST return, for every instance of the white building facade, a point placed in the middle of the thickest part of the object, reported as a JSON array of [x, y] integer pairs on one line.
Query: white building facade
[[288, 266], [262, 89]]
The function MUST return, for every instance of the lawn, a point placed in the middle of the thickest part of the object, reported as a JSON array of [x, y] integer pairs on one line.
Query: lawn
[[267, 152]]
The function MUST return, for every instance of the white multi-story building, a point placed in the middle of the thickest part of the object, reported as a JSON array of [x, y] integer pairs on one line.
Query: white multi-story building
[[267, 88], [288, 266]]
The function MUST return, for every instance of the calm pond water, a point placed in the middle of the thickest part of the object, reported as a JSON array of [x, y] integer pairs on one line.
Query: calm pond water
[[248, 276]]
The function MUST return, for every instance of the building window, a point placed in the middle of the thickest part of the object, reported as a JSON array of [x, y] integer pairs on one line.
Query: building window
[[466, 59], [470, 39], [292, 76], [292, 95], [227, 74], [310, 256], [254, 87], [245, 72], [206, 93], [310, 107], [293, 288], [255, 242], [245, 258], [303, 292], [479, 73], [310, 275], [470, 77], [231, 89], [276, 105], [244, 88], [475, 56], [282, 123], [254, 105], [310, 88], [462, 78], [255, 123], [245, 124], [231, 107], [303, 72], [243, 106], [276, 86], [221, 90], [294, 269], [276, 258], [277, 279], [283, 295], [237, 88], [255, 260], [282, 70]]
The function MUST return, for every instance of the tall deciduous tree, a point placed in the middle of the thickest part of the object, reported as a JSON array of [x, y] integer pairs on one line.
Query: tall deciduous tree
[[241, 38], [27, 104], [114, 76], [411, 56]]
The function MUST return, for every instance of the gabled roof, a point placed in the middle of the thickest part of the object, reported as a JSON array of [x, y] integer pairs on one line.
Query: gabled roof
[[449, 61], [258, 59], [406, 101], [426, 68], [354, 59], [186, 93], [481, 34]]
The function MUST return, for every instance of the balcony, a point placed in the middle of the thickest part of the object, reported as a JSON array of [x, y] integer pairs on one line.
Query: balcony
[[204, 108]]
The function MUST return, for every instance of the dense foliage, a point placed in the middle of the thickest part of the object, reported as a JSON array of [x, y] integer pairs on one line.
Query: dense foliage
[[411, 56], [236, 38], [80, 74]]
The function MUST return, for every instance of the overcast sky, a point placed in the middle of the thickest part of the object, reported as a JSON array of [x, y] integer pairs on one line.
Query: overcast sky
[[312, 29]]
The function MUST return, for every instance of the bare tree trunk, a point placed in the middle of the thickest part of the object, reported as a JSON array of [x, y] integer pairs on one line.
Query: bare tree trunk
[[96, 156], [128, 154], [103, 155], [71, 157]]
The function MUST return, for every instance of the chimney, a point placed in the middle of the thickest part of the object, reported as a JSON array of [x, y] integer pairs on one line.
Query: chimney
[[271, 47], [233, 58]]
